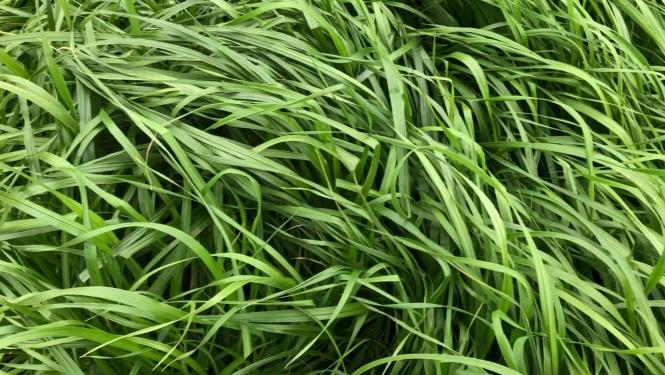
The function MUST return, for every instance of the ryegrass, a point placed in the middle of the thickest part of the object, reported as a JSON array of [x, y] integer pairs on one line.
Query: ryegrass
[[332, 187]]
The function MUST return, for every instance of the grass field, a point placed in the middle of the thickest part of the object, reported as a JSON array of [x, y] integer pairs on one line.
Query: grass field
[[332, 187]]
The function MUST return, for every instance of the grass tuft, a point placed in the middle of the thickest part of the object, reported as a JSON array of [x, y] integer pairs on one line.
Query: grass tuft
[[332, 187]]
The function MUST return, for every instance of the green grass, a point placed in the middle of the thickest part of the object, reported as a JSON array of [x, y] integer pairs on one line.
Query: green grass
[[332, 187]]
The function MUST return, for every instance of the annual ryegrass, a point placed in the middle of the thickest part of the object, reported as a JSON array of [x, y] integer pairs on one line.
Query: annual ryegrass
[[332, 187]]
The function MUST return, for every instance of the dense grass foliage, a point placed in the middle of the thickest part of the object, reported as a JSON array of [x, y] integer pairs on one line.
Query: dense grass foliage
[[332, 187]]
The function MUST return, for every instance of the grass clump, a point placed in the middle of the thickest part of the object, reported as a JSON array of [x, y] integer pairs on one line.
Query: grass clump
[[332, 187]]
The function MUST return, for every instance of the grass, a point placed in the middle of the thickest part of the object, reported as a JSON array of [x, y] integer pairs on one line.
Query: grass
[[332, 187]]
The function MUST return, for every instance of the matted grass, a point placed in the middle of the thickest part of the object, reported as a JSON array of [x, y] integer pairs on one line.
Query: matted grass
[[332, 187]]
